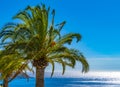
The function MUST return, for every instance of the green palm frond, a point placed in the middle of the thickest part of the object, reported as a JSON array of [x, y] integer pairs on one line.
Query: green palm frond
[[63, 65], [61, 25], [80, 58], [68, 38], [25, 17], [84, 63], [53, 66]]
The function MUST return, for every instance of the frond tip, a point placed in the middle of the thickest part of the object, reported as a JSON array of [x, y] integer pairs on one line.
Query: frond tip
[[85, 65]]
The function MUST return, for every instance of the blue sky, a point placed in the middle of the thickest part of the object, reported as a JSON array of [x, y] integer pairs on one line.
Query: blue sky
[[98, 21]]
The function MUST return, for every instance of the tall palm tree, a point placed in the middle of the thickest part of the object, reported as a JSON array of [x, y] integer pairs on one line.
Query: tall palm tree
[[41, 41]]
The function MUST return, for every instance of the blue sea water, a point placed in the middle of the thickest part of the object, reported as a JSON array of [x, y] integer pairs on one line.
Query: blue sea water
[[68, 82], [90, 80]]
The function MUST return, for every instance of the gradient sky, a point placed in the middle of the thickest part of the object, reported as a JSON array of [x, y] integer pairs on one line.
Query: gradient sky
[[98, 21]]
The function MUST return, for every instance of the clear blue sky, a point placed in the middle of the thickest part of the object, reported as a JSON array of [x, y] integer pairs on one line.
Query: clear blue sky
[[98, 21]]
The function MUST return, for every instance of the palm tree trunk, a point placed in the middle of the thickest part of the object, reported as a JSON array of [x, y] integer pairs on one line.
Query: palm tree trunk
[[39, 77], [5, 82]]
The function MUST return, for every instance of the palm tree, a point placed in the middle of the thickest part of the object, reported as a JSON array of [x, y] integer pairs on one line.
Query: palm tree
[[41, 41], [11, 65]]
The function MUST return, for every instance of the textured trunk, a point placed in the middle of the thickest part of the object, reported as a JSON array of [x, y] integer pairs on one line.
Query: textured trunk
[[5, 82], [39, 77]]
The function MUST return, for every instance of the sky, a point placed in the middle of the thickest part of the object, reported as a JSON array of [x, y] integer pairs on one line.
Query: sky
[[98, 21]]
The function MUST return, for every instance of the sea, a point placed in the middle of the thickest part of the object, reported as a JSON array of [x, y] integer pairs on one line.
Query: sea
[[93, 79]]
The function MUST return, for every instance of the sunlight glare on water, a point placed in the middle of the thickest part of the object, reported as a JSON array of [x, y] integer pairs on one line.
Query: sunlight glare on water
[[104, 74], [100, 74]]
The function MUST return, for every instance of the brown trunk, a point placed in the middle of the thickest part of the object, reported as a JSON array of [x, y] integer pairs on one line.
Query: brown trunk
[[39, 77], [5, 82]]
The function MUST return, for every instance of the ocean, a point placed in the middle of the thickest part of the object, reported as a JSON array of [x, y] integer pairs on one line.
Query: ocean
[[91, 80]]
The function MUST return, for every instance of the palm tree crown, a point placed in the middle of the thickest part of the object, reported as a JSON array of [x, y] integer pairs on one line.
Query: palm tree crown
[[40, 41]]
